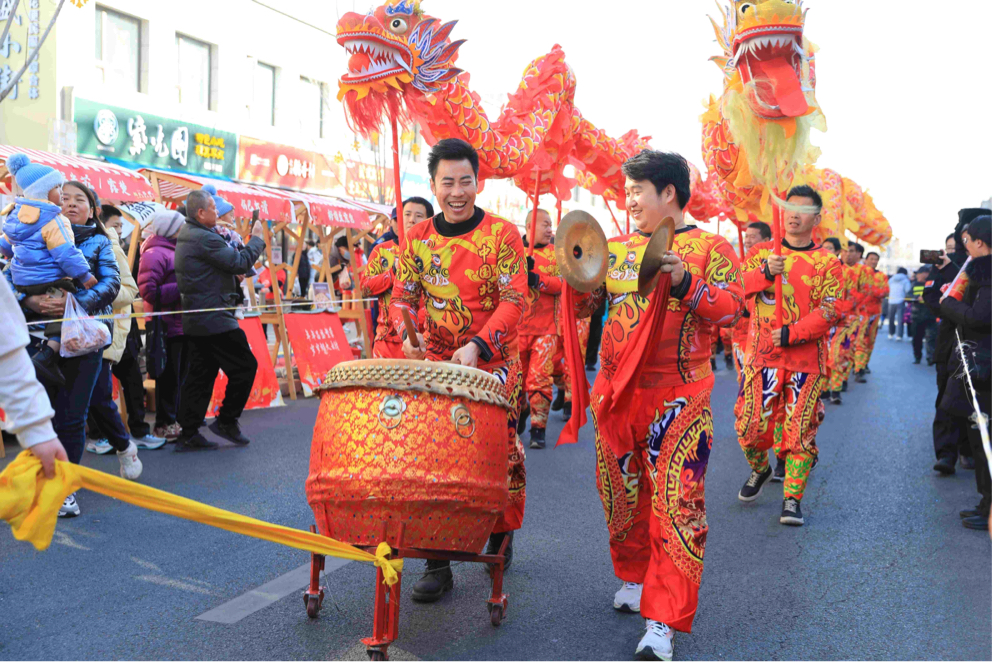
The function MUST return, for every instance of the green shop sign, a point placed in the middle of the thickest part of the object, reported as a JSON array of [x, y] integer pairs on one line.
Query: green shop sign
[[158, 142]]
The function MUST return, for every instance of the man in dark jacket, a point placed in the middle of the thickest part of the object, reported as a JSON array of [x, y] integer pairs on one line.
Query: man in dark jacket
[[922, 317], [970, 309], [206, 271]]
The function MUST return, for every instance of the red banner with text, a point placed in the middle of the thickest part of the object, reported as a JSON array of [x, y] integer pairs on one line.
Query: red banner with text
[[265, 391], [319, 343]]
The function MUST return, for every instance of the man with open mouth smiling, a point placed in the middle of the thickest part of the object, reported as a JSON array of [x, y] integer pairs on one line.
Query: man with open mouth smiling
[[468, 268]]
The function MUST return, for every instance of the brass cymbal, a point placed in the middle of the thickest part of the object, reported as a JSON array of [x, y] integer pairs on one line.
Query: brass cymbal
[[660, 243], [580, 248]]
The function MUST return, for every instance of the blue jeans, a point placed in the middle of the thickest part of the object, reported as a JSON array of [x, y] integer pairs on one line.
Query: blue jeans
[[104, 412], [896, 315], [72, 402]]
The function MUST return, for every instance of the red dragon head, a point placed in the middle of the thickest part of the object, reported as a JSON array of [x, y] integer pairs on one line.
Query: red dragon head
[[394, 49]]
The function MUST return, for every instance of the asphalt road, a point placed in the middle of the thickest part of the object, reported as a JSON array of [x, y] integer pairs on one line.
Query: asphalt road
[[882, 570]]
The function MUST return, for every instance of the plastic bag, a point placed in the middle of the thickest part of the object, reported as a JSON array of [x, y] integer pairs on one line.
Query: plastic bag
[[81, 336]]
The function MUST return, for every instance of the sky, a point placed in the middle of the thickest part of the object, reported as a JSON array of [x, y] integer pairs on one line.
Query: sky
[[906, 87]]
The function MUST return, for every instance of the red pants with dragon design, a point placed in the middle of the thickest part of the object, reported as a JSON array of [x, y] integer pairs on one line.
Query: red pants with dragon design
[[537, 363], [780, 409], [841, 358], [865, 342], [655, 501], [513, 517]]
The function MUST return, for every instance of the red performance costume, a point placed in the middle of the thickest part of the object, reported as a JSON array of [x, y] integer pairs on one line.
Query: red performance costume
[[377, 281], [781, 386], [472, 279], [874, 287], [651, 475], [539, 334], [843, 335]]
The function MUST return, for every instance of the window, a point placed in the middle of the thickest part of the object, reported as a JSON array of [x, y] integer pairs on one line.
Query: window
[[312, 112], [195, 67], [118, 49], [263, 107], [575, 193]]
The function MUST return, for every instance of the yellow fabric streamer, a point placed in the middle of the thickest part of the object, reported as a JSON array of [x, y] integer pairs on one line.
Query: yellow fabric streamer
[[30, 503]]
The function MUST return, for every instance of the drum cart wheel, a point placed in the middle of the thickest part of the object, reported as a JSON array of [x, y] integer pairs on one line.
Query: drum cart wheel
[[313, 597]]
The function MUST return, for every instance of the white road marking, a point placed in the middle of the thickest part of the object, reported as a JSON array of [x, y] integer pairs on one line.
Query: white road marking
[[248, 603]]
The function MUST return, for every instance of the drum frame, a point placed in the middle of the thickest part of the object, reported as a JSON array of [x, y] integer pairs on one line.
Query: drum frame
[[385, 627]]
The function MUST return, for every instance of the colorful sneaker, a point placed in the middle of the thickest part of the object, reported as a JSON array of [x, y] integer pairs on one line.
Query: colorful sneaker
[[656, 644], [628, 598], [98, 446], [755, 483], [168, 432], [130, 464], [149, 442], [69, 507]]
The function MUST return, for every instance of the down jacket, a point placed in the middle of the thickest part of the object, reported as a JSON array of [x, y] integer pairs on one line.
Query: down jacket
[[38, 237], [122, 304], [157, 281]]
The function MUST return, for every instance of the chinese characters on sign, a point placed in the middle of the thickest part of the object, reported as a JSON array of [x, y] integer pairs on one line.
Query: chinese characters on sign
[[12, 46], [319, 343]]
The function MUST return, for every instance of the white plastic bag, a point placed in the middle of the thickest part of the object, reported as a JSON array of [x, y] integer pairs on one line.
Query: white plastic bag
[[81, 336]]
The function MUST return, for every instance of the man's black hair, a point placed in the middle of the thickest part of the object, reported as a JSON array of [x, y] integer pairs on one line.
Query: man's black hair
[[661, 169], [452, 149], [806, 192], [902, 270], [981, 228], [196, 200], [428, 207], [763, 229], [872, 253], [858, 247], [341, 242], [833, 241], [107, 212]]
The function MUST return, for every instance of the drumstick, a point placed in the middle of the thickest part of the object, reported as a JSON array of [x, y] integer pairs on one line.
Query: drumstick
[[411, 330]]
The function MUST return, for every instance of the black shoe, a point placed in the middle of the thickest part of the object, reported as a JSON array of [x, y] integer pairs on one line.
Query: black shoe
[[824, 394], [435, 582], [537, 438], [917, 361], [977, 523], [944, 465], [566, 412], [495, 540], [729, 360], [713, 363], [966, 462], [835, 398], [559, 400], [931, 362], [843, 387], [195, 442], [755, 483], [792, 514], [867, 370], [229, 431], [859, 377], [971, 512], [522, 419], [591, 368], [46, 365], [778, 475]]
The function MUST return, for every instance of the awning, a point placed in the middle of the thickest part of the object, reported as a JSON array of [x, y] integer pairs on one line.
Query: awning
[[110, 182], [326, 211], [174, 187]]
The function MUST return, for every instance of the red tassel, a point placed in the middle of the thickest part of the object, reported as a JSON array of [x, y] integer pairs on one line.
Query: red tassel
[[577, 371]]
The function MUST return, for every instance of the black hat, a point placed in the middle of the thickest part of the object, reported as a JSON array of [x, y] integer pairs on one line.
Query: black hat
[[968, 214]]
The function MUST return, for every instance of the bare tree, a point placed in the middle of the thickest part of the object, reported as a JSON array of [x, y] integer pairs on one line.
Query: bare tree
[[34, 53]]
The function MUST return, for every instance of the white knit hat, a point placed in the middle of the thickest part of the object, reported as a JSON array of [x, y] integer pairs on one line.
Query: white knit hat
[[166, 222]]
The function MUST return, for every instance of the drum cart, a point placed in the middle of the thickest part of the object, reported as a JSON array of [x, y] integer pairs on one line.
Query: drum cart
[[385, 628]]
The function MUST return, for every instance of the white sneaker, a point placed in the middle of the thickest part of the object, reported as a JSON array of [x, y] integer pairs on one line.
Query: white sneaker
[[69, 507], [898, 338], [149, 442], [98, 446], [628, 598], [891, 336], [656, 644], [130, 464]]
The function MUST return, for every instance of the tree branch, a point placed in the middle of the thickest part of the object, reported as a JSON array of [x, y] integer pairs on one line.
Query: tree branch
[[34, 53]]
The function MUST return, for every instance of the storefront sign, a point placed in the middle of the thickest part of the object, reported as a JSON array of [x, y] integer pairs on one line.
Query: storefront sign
[[283, 166], [319, 343], [265, 390], [146, 139], [369, 182], [30, 106]]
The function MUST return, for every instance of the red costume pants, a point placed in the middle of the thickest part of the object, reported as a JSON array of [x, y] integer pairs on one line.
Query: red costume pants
[[537, 354], [780, 409], [841, 358], [866, 342], [516, 478], [654, 499]]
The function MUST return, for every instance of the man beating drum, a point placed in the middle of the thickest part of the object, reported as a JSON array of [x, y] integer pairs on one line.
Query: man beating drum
[[469, 267]]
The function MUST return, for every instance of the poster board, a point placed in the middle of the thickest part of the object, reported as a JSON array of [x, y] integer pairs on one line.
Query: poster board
[[319, 343]]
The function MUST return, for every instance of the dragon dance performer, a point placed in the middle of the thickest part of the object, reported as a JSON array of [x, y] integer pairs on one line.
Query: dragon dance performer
[[841, 350], [785, 369], [467, 267], [652, 457], [874, 287], [377, 280], [538, 329]]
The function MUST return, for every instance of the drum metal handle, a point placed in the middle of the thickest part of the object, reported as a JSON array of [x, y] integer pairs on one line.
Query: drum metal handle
[[391, 411], [462, 418]]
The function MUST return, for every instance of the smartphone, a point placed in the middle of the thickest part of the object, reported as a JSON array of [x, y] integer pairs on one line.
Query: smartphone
[[254, 220], [931, 257]]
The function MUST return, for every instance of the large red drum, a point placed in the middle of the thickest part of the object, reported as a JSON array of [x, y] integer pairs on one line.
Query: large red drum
[[414, 442]]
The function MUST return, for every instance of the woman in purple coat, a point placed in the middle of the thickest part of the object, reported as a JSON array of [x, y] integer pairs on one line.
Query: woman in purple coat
[[158, 288]]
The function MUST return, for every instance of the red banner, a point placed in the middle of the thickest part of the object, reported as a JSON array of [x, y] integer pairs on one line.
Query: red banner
[[265, 391], [319, 343], [286, 166]]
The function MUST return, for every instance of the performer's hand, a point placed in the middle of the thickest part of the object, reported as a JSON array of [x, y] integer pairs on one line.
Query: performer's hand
[[776, 264], [467, 355], [777, 337], [416, 353], [48, 452], [671, 263]]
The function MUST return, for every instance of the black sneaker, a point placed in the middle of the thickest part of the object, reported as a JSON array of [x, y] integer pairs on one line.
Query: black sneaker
[[46, 365], [559, 400], [591, 368], [835, 398], [522, 420], [566, 412], [537, 438], [843, 387], [824, 394], [778, 475], [971, 512], [755, 483], [495, 540], [194, 442], [792, 514], [945, 465], [229, 431], [977, 523], [436, 581], [729, 360], [966, 462], [859, 377], [713, 363], [917, 361]]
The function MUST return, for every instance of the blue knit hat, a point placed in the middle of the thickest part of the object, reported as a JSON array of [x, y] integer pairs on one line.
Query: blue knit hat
[[223, 206], [35, 179]]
